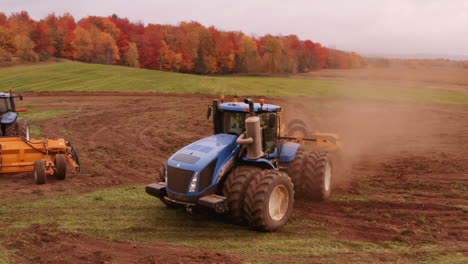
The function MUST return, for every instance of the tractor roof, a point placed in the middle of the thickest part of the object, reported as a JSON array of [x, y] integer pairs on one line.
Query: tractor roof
[[4, 94], [243, 107]]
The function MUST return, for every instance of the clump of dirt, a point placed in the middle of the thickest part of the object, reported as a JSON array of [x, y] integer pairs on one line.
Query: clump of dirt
[[49, 244]]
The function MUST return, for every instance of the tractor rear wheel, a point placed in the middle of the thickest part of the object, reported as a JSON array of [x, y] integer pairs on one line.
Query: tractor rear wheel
[[269, 200], [295, 169], [318, 176], [23, 128], [40, 175], [234, 189], [11, 130], [60, 166]]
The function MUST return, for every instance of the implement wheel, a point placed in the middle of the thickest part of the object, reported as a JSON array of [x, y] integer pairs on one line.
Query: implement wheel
[[297, 128], [60, 167], [318, 176], [269, 200], [40, 175], [74, 154], [234, 189], [23, 128]]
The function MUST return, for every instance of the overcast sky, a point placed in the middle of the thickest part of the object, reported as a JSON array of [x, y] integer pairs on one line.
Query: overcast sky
[[437, 27]]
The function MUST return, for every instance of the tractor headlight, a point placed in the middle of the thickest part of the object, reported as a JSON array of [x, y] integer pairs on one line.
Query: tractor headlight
[[193, 184]]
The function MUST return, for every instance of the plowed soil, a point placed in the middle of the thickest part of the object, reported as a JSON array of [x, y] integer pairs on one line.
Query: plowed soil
[[405, 176], [48, 244]]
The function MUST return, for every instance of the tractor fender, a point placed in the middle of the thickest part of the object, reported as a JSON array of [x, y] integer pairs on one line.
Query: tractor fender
[[288, 151], [264, 161], [8, 118]]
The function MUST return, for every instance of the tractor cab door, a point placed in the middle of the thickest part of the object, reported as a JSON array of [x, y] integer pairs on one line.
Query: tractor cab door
[[268, 122]]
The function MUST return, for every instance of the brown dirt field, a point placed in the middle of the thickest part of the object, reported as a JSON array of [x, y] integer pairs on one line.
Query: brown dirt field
[[444, 78], [405, 179], [48, 244]]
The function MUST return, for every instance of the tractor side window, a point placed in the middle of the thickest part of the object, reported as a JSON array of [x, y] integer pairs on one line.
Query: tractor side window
[[234, 123], [269, 134], [4, 105]]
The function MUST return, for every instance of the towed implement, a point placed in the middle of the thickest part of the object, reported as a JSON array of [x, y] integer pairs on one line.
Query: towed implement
[[19, 153], [44, 157], [252, 168]]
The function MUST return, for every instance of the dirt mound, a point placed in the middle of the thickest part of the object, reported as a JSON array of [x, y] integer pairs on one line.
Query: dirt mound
[[49, 244]]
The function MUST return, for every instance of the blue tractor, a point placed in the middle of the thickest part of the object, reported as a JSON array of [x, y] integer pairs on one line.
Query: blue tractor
[[11, 124], [248, 170]]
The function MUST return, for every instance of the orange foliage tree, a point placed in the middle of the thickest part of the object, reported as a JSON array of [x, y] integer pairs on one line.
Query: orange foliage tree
[[188, 47]]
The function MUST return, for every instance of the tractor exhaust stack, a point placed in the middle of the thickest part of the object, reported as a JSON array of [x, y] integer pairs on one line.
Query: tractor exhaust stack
[[252, 137]]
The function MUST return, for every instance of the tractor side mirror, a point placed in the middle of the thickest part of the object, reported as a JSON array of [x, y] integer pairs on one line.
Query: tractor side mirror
[[21, 98], [272, 120], [208, 113]]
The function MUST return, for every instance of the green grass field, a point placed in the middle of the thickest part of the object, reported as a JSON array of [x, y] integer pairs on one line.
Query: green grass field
[[129, 213], [71, 76]]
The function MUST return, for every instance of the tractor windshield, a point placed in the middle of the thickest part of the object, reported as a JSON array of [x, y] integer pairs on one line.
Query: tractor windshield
[[234, 122], [4, 105]]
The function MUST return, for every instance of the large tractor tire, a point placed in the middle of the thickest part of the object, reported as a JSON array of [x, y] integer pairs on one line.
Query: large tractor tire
[[234, 189], [161, 177], [297, 128], [11, 130], [75, 156], [269, 200], [40, 175], [318, 176], [295, 169], [60, 167], [23, 128]]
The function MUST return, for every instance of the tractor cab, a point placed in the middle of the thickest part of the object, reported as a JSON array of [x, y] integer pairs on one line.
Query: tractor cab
[[230, 118]]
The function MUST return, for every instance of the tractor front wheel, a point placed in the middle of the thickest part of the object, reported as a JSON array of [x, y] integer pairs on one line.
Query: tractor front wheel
[[40, 175], [318, 176], [269, 200], [60, 166], [234, 189], [161, 177]]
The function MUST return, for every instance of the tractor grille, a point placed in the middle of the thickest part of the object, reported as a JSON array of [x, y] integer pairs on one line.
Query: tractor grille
[[206, 176], [178, 179]]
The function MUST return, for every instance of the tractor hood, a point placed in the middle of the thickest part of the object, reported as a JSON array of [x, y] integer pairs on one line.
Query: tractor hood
[[198, 155], [8, 118]]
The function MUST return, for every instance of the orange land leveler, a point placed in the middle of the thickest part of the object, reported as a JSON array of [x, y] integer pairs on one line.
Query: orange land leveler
[[42, 156]]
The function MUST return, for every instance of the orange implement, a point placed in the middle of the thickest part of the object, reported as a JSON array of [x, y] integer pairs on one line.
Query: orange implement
[[42, 156]]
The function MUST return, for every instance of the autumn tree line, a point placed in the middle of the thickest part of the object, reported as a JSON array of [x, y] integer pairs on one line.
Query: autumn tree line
[[188, 47]]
